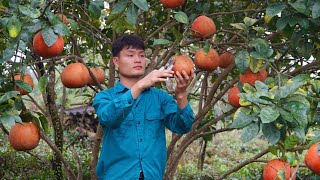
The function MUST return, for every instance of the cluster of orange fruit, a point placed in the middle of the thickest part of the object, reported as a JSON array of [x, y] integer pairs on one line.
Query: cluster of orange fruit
[[311, 159]]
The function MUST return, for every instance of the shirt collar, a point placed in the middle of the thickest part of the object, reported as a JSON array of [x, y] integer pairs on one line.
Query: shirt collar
[[121, 88]]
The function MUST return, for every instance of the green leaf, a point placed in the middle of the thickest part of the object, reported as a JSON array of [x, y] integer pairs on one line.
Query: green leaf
[[9, 119], [29, 11], [263, 48], [291, 141], [260, 30], [42, 84], [300, 132], [132, 15], [315, 85], [306, 50], [271, 133], [260, 86], [161, 41], [282, 22], [8, 95], [299, 5], [241, 118], [73, 24], [289, 88], [269, 114], [316, 10], [275, 9], [142, 4], [240, 26], [286, 115], [250, 132], [49, 36], [248, 88], [304, 22], [61, 29], [23, 85], [242, 60], [281, 175], [44, 122], [8, 53], [181, 17], [95, 8], [176, 34], [14, 27], [255, 65], [273, 150], [249, 21], [119, 7]]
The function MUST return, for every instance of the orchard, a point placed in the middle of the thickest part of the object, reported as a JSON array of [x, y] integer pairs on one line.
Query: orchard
[[257, 79]]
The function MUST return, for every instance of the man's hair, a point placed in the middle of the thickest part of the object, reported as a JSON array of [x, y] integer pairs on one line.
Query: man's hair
[[127, 41]]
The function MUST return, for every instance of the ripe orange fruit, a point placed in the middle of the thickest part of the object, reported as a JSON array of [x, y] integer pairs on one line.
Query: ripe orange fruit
[[233, 97], [226, 59], [208, 62], [75, 75], [172, 3], [270, 171], [24, 137], [26, 79], [98, 73], [251, 78], [203, 27], [312, 158], [63, 18], [41, 48], [183, 63]]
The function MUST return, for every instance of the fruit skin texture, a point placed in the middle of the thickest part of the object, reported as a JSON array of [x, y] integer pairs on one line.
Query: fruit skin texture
[[226, 59], [207, 62], [312, 159], [98, 73], [75, 75], [172, 3], [203, 27], [24, 137], [251, 78], [233, 97], [273, 167], [27, 79], [183, 63], [41, 48]]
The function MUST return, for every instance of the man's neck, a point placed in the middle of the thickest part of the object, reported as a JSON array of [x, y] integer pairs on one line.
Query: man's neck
[[128, 82]]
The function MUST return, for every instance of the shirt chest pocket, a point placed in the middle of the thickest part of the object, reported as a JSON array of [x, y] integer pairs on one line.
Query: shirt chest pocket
[[154, 125], [126, 127]]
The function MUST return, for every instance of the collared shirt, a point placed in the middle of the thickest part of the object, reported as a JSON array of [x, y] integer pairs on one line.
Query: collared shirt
[[134, 131]]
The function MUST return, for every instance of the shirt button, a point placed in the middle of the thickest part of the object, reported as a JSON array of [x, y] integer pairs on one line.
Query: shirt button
[[138, 122], [140, 140]]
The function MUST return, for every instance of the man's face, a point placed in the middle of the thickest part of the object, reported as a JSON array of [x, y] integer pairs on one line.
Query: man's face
[[131, 62]]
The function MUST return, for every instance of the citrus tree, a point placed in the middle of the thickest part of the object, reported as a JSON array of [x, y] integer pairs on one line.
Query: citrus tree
[[267, 52]]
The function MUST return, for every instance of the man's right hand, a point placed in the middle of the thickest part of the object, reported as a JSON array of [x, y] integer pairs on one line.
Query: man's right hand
[[149, 80]]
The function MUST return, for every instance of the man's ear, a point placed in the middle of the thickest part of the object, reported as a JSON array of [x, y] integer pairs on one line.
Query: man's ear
[[116, 61]]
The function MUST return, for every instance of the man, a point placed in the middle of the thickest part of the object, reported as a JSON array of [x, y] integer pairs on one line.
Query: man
[[134, 116]]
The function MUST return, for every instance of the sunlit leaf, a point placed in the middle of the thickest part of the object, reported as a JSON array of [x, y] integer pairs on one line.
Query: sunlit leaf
[[181, 17], [241, 118], [142, 4], [240, 26], [242, 60], [161, 42], [8, 95], [249, 21], [269, 114], [29, 11], [9, 119], [291, 141], [42, 84]]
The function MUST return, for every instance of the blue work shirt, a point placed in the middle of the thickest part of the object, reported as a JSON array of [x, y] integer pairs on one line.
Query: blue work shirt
[[134, 131]]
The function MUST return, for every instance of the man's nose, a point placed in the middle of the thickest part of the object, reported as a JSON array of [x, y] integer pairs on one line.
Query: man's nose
[[137, 59]]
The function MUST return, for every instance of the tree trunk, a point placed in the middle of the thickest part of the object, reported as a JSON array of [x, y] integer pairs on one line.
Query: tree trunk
[[202, 154], [57, 125]]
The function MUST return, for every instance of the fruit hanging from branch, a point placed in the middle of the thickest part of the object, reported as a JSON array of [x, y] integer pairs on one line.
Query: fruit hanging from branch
[[226, 59], [183, 63], [312, 158], [233, 96], [43, 50], [24, 137], [75, 75], [26, 79], [172, 3], [98, 73], [273, 167], [206, 61], [250, 77], [203, 27]]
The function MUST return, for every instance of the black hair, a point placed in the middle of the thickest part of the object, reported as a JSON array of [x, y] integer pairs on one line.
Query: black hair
[[130, 41]]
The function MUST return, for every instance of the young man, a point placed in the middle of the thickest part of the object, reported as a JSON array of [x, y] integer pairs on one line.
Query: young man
[[134, 116]]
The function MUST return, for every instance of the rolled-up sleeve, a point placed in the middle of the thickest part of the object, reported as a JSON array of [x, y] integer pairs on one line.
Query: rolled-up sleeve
[[111, 111]]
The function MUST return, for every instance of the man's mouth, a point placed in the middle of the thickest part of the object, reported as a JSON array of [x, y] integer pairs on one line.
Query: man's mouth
[[137, 67]]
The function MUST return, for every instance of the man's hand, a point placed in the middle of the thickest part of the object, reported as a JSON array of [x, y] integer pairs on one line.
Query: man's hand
[[149, 80], [183, 81]]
